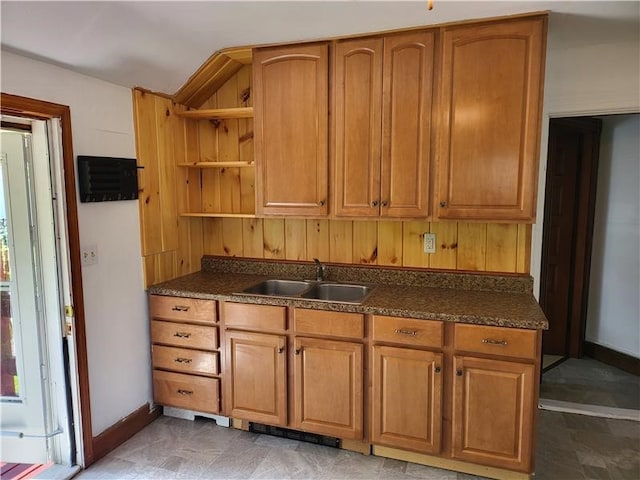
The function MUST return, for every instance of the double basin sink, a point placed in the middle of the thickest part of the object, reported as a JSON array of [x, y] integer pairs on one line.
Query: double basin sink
[[311, 290]]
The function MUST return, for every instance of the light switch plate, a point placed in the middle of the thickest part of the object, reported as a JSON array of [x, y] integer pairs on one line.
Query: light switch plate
[[89, 255], [429, 240]]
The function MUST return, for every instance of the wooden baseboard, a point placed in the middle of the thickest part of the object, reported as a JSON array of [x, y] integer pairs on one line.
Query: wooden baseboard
[[126, 428], [611, 357], [448, 464], [356, 446]]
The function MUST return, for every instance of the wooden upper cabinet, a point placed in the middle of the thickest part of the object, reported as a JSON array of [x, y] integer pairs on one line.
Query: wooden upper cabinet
[[291, 129], [407, 89], [357, 126], [382, 125], [488, 145]]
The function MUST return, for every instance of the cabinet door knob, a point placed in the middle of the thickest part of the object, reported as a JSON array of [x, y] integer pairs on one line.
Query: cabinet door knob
[[280, 349], [385, 203], [374, 203], [297, 351], [443, 204], [437, 369], [321, 203], [458, 373]]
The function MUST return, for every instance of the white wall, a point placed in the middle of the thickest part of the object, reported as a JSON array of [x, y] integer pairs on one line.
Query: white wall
[[589, 71], [115, 302], [613, 318], [592, 68]]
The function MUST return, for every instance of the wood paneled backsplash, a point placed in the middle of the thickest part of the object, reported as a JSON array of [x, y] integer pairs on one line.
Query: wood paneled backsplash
[[172, 245], [460, 246]]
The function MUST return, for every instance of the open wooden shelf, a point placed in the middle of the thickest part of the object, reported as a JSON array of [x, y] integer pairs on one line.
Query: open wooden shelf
[[217, 113], [218, 215], [217, 164]]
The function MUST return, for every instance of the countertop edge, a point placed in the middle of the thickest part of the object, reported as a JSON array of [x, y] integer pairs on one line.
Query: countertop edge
[[364, 308]]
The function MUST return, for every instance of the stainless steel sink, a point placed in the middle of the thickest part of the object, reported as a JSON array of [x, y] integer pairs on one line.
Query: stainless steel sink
[[311, 290], [338, 292], [279, 288]]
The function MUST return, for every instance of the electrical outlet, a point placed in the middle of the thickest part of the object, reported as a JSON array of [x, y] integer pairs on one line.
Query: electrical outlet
[[89, 255], [429, 240]]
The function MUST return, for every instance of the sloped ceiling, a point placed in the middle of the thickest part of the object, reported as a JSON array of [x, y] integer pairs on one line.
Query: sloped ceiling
[[159, 45]]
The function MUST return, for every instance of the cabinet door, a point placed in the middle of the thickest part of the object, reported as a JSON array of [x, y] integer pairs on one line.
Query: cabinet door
[[407, 398], [490, 120], [493, 412], [328, 387], [255, 382], [291, 124], [357, 122], [406, 125]]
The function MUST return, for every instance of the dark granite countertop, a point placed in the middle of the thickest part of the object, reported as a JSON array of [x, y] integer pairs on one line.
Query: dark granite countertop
[[515, 309]]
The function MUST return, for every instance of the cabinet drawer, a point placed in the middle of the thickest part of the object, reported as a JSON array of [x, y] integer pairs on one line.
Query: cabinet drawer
[[184, 309], [184, 335], [185, 360], [186, 391], [511, 342], [408, 331], [335, 324], [254, 317]]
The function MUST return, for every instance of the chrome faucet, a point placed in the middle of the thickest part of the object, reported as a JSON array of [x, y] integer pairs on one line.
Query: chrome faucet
[[321, 270]]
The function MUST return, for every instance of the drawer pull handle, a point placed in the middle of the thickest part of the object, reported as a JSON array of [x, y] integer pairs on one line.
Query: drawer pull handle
[[491, 341], [182, 334], [180, 308], [182, 360], [437, 369], [185, 392], [403, 331]]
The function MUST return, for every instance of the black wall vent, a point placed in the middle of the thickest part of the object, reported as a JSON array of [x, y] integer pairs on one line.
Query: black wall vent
[[107, 179]]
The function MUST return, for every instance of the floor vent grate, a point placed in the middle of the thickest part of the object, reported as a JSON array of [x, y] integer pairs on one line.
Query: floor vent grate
[[294, 435]]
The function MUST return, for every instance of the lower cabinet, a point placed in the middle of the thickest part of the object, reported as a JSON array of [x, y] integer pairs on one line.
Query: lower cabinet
[[256, 384], [407, 398], [460, 392], [328, 387], [492, 412], [488, 405], [319, 380], [186, 391], [184, 353]]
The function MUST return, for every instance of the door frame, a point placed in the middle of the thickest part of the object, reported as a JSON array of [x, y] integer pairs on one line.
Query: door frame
[[37, 109], [583, 235]]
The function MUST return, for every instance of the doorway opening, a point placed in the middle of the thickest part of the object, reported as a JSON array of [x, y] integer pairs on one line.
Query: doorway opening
[[590, 266]]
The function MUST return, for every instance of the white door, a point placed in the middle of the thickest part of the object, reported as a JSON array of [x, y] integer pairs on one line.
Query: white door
[[33, 413], [23, 414]]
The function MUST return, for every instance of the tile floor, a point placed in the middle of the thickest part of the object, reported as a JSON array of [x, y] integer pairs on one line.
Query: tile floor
[[588, 381], [569, 447]]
